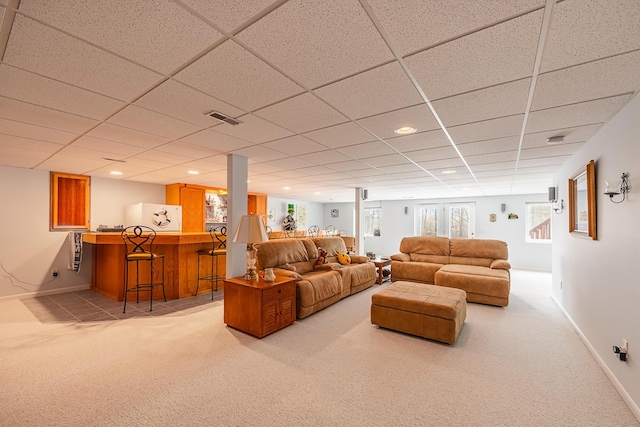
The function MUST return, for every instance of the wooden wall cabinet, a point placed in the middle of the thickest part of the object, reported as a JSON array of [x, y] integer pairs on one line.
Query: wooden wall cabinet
[[192, 198], [70, 198]]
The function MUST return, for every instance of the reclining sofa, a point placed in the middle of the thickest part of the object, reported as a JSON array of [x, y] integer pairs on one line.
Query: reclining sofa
[[477, 266], [317, 285]]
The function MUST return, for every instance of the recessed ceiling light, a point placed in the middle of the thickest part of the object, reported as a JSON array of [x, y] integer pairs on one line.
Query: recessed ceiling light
[[449, 171], [193, 172], [405, 130], [116, 173], [286, 188]]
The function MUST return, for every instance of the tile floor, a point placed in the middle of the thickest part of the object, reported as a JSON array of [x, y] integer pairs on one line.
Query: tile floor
[[90, 306]]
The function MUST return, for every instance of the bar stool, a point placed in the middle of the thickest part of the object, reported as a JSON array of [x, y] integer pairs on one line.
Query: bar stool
[[138, 243], [218, 249]]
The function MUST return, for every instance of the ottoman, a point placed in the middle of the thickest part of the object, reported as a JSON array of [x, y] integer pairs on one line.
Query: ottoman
[[428, 311]]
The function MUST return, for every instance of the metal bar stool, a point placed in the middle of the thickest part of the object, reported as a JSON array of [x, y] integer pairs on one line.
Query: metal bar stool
[[218, 249], [138, 243]]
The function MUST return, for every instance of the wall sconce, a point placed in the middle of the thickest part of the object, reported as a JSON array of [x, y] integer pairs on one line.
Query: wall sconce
[[624, 189], [560, 209]]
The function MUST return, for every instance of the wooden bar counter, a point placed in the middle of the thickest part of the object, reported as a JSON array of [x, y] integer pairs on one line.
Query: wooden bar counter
[[180, 263]]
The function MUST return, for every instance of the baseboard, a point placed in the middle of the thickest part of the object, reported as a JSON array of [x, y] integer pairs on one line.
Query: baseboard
[[623, 393], [47, 292]]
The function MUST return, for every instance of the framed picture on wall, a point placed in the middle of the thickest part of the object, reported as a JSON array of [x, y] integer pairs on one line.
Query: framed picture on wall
[[335, 213]]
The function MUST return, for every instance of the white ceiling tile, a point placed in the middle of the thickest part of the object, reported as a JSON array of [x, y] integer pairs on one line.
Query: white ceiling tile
[[416, 24], [397, 169], [490, 146], [444, 164], [318, 42], [599, 79], [115, 149], [510, 165], [125, 135], [388, 160], [42, 50], [254, 129], [259, 153], [478, 159], [419, 141], [12, 127], [160, 35], [366, 150], [487, 129], [551, 151], [208, 164], [544, 161], [189, 150], [174, 99], [326, 157], [212, 140], [41, 116], [151, 122], [418, 117], [319, 170], [340, 135], [495, 55], [236, 76], [162, 156], [575, 134], [295, 145], [441, 153], [34, 89], [498, 101], [289, 164], [584, 31], [302, 113], [30, 144], [373, 92], [585, 113], [21, 157], [72, 164], [349, 166], [227, 14]]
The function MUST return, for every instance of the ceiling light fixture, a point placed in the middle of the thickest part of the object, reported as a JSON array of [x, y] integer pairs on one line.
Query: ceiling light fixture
[[448, 172], [405, 130], [116, 173], [555, 139], [193, 172]]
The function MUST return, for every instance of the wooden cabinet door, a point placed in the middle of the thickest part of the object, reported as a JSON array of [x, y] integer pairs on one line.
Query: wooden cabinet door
[[192, 201]]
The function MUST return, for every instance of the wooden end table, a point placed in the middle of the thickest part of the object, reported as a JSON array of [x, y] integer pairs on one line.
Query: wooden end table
[[381, 263], [257, 307]]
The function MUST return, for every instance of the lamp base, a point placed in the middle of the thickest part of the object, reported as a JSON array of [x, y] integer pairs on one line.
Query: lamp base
[[252, 274]]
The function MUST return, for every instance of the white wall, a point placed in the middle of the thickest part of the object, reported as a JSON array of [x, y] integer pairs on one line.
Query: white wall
[[596, 282], [395, 225], [314, 212], [29, 251]]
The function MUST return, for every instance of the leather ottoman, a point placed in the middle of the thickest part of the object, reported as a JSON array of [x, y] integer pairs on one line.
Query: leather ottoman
[[428, 311]]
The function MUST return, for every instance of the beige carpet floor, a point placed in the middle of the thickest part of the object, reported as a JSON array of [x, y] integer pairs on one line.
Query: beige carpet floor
[[522, 365]]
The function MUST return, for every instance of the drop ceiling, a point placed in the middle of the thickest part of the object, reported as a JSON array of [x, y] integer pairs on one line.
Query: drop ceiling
[[319, 87]]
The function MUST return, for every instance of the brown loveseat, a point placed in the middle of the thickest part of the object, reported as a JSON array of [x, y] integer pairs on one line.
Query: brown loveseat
[[477, 266], [317, 286]]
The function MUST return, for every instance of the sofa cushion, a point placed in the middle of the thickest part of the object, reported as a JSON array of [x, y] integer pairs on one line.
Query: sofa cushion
[[319, 286], [426, 249], [280, 252], [474, 280], [332, 244], [414, 271], [477, 251]]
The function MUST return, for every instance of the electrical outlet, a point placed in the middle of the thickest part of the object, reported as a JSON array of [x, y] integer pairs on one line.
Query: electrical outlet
[[54, 272], [625, 346]]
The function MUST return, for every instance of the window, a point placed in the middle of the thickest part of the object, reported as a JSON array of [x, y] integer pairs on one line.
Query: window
[[447, 219], [372, 221], [538, 223]]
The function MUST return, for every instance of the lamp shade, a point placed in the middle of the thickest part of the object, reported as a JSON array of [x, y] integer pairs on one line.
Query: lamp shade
[[251, 230]]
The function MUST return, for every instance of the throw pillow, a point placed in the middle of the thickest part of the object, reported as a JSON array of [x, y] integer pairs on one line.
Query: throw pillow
[[344, 258]]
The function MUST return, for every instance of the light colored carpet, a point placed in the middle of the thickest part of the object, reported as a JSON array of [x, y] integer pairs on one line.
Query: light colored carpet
[[522, 365]]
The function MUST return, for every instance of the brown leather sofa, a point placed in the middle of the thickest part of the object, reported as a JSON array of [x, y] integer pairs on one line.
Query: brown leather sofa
[[317, 286], [477, 266]]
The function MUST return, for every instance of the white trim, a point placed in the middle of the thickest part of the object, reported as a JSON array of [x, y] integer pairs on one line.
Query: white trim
[[616, 384], [47, 292]]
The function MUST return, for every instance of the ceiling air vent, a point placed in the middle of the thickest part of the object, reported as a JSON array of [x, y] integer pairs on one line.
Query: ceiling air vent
[[224, 118], [109, 159]]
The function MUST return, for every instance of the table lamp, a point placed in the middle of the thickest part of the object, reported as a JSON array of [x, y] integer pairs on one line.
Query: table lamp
[[251, 231]]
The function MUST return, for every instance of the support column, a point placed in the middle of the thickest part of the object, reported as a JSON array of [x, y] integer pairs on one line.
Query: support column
[[237, 173], [359, 225]]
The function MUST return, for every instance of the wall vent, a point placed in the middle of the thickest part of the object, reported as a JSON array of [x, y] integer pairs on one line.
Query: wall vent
[[223, 118]]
